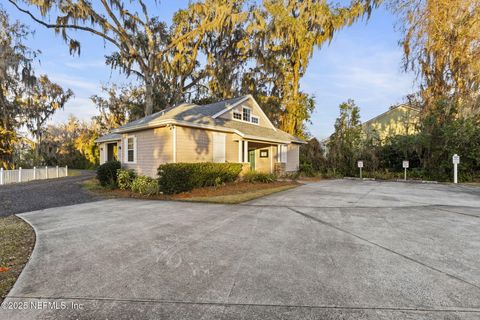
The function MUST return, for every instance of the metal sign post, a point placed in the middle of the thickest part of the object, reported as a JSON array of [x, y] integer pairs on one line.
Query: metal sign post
[[360, 166], [456, 161], [405, 165]]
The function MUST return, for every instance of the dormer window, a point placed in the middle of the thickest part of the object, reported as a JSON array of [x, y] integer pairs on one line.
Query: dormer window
[[246, 114]]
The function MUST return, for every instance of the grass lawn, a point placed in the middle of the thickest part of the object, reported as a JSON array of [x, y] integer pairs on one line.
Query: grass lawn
[[17, 239], [243, 196], [230, 193]]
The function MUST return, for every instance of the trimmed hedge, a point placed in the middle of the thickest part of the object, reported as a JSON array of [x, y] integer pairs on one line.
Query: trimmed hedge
[[184, 177], [259, 177], [107, 174]]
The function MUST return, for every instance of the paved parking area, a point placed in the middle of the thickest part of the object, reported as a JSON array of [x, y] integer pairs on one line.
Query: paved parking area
[[329, 250], [41, 194]]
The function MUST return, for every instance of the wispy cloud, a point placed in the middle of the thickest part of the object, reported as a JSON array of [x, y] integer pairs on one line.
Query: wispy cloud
[[76, 82], [86, 65]]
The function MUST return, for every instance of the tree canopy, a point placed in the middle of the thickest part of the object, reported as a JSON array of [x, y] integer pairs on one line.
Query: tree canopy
[[441, 44], [212, 49]]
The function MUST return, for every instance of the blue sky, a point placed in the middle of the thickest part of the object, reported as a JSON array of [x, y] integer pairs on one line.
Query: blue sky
[[363, 62]]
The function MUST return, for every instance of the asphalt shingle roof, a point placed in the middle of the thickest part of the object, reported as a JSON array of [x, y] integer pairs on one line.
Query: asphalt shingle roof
[[203, 115], [109, 137]]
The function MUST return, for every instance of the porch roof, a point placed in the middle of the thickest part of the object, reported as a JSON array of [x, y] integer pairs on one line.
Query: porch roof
[[109, 137]]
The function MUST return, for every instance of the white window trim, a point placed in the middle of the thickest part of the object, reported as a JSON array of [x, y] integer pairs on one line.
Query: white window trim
[[282, 151], [249, 109], [134, 150], [251, 116]]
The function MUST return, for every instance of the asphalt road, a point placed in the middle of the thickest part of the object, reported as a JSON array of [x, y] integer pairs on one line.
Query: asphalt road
[[42, 194], [328, 250]]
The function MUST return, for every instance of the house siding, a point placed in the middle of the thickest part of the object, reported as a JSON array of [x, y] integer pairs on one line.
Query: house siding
[[264, 164], [293, 157], [196, 145], [232, 147], [401, 120], [154, 147]]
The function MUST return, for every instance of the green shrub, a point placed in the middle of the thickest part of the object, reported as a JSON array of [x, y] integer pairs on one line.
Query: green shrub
[[145, 185], [255, 177], [125, 178], [184, 177], [307, 169], [107, 174], [292, 175]]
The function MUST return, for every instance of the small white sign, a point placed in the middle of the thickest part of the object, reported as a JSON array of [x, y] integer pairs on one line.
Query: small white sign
[[456, 159], [406, 164], [360, 164]]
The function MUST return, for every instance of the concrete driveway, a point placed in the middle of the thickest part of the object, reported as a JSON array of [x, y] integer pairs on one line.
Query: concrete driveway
[[329, 250]]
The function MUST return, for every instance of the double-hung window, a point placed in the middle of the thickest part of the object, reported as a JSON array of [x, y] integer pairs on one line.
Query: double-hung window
[[246, 114], [131, 149]]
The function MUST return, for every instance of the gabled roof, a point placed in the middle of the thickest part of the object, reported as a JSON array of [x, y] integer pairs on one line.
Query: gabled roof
[[199, 114], [207, 116], [392, 108]]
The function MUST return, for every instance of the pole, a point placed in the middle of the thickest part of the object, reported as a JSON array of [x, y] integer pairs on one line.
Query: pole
[[360, 173], [34, 173], [46, 172], [58, 174], [20, 174], [405, 176], [66, 171], [1, 176], [455, 173]]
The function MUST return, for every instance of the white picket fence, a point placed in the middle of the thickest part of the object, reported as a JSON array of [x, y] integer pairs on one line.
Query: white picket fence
[[24, 175]]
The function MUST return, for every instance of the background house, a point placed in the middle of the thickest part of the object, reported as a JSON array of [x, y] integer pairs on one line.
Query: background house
[[398, 120]]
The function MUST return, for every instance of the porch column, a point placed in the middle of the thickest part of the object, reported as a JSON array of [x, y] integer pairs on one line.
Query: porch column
[[245, 151], [271, 160], [240, 151]]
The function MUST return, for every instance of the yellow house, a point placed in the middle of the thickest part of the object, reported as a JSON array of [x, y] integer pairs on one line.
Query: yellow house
[[235, 130], [398, 120]]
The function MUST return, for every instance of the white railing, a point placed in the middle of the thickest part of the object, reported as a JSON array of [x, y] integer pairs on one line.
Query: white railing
[[24, 175]]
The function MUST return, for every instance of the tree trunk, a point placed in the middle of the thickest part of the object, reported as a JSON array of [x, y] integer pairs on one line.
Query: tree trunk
[[148, 96]]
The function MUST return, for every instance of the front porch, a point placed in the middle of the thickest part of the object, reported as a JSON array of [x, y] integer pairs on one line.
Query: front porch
[[261, 156]]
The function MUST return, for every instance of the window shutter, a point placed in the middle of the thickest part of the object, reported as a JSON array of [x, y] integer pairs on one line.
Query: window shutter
[[219, 147], [283, 153]]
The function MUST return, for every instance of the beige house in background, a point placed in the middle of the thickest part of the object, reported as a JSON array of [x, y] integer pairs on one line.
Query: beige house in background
[[398, 120], [235, 130]]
